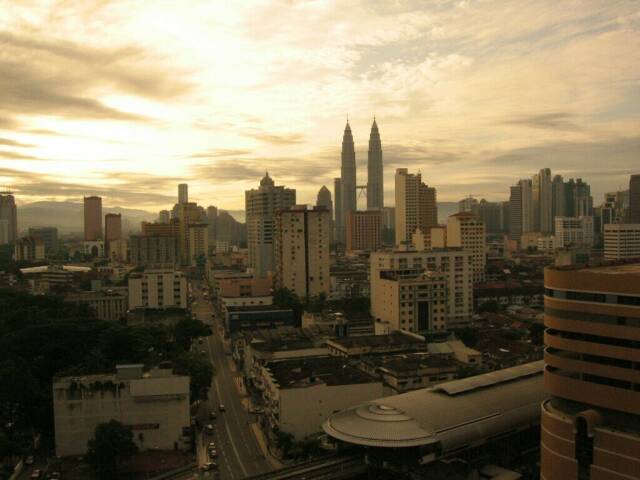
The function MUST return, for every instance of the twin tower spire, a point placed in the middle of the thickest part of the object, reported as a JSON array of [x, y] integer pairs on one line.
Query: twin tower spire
[[345, 186]]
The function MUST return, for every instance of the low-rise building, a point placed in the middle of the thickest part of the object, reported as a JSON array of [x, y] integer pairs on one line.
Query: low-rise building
[[256, 317], [301, 394], [409, 371], [154, 404], [158, 289], [108, 304], [395, 342]]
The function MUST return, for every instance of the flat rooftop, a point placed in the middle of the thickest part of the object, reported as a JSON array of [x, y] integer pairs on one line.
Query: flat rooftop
[[406, 362], [391, 340], [331, 371], [289, 338], [257, 308]]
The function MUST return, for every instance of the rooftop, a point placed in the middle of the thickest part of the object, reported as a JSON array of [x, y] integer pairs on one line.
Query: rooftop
[[330, 371], [453, 414], [405, 362], [393, 339], [257, 308], [289, 338]]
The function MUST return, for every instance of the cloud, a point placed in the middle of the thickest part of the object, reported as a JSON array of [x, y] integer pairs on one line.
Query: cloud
[[553, 121], [276, 139], [13, 143], [221, 152], [16, 156]]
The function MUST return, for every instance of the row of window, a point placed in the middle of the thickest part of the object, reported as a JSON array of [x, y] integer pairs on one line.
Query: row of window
[[612, 299]]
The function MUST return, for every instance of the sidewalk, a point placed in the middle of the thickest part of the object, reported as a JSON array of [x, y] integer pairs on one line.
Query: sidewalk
[[263, 444]]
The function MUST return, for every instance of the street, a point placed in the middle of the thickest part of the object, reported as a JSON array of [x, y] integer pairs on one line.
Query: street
[[239, 454]]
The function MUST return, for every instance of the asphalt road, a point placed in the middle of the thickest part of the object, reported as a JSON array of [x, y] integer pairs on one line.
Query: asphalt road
[[239, 454]]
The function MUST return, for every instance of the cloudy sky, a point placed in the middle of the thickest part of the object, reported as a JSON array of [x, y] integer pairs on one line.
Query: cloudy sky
[[125, 99]]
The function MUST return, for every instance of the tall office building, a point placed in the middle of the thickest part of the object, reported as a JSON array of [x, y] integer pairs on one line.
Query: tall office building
[[212, 222], [261, 206], [49, 235], [92, 219], [527, 206], [535, 202], [153, 250], [375, 177], [622, 241], [490, 213], [338, 229], [464, 230], [558, 199], [581, 199], [416, 206], [545, 201], [9, 212], [29, 249], [634, 198], [112, 228], [468, 204], [405, 259], [183, 193], [591, 422], [324, 200], [302, 250], [348, 176], [364, 231], [188, 213], [515, 212], [574, 232], [198, 241]]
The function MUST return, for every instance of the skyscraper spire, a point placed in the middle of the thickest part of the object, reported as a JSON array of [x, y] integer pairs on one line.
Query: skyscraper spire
[[375, 187], [348, 175]]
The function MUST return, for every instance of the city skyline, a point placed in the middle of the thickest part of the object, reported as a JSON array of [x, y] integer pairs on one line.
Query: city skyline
[[217, 97]]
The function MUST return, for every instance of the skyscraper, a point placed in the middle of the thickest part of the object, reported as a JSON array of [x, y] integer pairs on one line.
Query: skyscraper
[[348, 175], [535, 202], [302, 250], [590, 423], [324, 200], [112, 228], [416, 206], [515, 212], [183, 193], [364, 231], [9, 213], [338, 230], [545, 201], [188, 213], [526, 198], [466, 231], [558, 198], [375, 183], [92, 218], [261, 206], [582, 199], [634, 199]]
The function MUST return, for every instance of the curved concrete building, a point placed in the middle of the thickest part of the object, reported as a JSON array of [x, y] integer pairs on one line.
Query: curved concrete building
[[448, 417], [591, 423]]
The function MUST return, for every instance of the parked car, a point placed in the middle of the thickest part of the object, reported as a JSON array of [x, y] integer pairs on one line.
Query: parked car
[[209, 429], [207, 466], [29, 460], [213, 415], [36, 473], [213, 453], [221, 407], [256, 410], [211, 445]]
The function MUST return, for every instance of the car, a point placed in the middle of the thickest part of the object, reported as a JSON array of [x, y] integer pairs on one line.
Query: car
[[54, 476], [207, 466], [213, 453], [256, 410], [209, 429], [211, 445], [213, 415], [221, 407], [29, 460], [36, 473]]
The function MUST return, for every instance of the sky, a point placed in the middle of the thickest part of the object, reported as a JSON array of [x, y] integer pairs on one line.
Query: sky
[[126, 99]]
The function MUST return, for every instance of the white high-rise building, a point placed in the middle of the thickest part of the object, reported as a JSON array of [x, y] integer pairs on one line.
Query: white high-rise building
[[466, 231], [302, 250], [622, 241], [574, 232], [348, 176], [416, 206], [455, 263], [183, 193], [261, 206]]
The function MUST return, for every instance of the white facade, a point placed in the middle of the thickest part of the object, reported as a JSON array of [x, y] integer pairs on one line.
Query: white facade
[[454, 262], [622, 241], [162, 288], [226, 302], [574, 232], [466, 231], [547, 244], [154, 405]]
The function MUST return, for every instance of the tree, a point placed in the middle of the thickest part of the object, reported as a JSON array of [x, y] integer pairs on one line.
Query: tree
[[186, 329], [112, 443], [200, 371], [489, 306]]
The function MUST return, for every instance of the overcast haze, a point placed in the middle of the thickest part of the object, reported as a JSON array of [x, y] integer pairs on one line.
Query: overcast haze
[[125, 99]]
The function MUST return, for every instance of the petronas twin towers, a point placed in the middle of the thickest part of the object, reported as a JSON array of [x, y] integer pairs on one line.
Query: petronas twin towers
[[346, 187]]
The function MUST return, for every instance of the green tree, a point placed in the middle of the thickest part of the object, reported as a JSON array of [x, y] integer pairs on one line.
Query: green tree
[[199, 369], [112, 443], [186, 329]]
